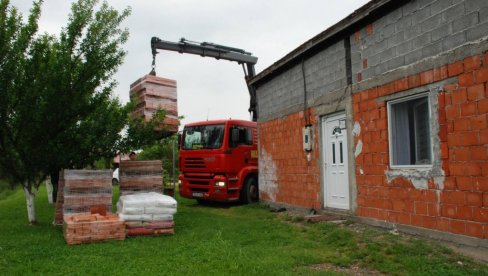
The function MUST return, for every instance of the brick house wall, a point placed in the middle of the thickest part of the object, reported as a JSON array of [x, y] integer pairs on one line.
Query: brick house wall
[[434, 48], [459, 202]]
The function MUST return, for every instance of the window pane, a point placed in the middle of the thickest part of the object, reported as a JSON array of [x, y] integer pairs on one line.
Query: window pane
[[341, 158], [333, 154], [410, 132]]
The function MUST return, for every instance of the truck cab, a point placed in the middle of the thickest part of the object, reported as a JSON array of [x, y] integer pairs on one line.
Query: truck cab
[[218, 161]]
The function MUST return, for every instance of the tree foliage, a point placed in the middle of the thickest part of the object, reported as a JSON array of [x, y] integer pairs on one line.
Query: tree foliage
[[56, 109]]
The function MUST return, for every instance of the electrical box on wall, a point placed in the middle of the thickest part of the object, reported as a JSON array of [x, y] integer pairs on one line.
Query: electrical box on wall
[[307, 138]]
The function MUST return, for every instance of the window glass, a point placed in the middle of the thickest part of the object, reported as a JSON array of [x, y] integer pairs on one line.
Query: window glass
[[242, 136], [203, 137], [410, 132]]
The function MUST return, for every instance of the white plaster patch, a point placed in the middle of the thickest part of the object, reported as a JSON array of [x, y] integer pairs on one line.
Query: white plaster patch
[[418, 177], [356, 130], [267, 175], [359, 148], [361, 171]]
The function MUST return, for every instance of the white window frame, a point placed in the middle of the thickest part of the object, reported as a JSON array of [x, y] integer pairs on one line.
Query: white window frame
[[390, 138]]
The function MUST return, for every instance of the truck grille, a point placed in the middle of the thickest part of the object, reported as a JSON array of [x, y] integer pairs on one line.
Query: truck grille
[[194, 163]]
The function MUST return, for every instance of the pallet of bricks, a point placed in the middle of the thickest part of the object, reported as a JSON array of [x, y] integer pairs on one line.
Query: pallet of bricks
[[87, 205], [142, 205]]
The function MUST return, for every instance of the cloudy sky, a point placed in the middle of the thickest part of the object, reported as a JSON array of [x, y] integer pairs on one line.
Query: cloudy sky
[[208, 88]]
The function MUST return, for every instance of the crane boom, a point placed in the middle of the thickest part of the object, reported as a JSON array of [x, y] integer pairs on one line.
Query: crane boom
[[206, 49]]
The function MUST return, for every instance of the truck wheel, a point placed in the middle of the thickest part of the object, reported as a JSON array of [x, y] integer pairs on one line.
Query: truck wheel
[[250, 191]]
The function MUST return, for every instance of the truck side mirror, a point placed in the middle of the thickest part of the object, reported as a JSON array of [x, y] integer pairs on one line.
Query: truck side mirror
[[179, 139]]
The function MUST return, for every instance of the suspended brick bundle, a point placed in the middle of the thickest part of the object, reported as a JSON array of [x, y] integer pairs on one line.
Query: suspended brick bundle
[[151, 93], [140, 176]]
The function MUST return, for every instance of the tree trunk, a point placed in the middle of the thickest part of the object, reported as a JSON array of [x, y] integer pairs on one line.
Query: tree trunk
[[31, 210]]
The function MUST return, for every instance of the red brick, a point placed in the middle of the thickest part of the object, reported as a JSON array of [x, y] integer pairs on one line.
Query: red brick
[[485, 199], [449, 183], [472, 63], [414, 81], [373, 93], [461, 154], [454, 111], [357, 36], [483, 106], [461, 124], [485, 59], [464, 183], [466, 79], [450, 87], [457, 226], [360, 77], [467, 138], [421, 208], [365, 63], [481, 214], [443, 224], [443, 133], [455, 69], [480, 184], [401, 84], [440, 73], [474, 229], [473, 169], [479, 122], [459, 96], [444, 151], [476, 92], [449, 211], [464, 213], [484, 136], [479, 153], [468, 109], [481, 75], [455, 197], [433, 210], [369, 29], [426, 77], [474, 199]]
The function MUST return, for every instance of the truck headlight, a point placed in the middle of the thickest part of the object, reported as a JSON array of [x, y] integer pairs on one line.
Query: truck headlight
[[220, 183]]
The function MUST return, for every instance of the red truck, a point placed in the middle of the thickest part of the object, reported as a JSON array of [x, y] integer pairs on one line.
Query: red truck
[[219, 161]]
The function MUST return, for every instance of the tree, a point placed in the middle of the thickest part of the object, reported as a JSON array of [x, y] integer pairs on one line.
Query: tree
[[56, 109]]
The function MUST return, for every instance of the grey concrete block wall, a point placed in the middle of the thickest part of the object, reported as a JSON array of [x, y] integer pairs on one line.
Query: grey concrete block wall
[[418, 30], [284, 94], [409, 34]]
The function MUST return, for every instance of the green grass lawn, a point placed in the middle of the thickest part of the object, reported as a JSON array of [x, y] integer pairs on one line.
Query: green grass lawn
[[219, 240]]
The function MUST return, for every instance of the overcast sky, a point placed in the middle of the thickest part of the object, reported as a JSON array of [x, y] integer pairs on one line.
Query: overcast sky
[[208, 88]]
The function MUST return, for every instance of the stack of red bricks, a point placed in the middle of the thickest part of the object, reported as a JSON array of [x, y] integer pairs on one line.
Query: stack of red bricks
[[147, 213], [152, 93], [80, 190], [141, 176], [90, 228]]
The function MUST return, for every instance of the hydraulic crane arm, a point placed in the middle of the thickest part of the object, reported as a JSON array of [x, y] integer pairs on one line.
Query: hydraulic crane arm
[[206, 49]]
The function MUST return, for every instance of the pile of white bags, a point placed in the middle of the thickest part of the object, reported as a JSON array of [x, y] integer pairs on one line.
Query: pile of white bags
[[147, 213]]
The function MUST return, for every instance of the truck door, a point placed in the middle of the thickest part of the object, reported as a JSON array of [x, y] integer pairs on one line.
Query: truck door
[[240, 144]]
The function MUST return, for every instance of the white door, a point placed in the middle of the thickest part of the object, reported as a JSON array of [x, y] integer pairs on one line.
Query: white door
[[334, 152]]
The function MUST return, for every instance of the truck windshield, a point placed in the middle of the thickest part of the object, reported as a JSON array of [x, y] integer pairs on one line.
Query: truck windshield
[[203, 137]]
